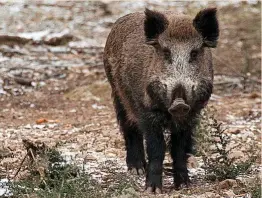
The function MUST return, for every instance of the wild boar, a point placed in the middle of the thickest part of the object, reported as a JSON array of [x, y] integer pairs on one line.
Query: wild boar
[[159, 65]]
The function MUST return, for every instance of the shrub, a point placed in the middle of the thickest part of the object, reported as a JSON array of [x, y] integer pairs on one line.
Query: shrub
[[213, 144]]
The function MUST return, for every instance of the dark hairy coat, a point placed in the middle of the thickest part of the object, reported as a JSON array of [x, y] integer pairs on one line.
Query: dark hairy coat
[[159, 65]]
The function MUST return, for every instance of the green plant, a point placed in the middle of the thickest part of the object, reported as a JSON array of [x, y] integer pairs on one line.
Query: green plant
[[68, 181], [213, 144], [256, 191]]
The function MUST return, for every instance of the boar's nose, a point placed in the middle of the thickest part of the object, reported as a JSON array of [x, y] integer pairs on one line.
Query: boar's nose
[[179, 108]]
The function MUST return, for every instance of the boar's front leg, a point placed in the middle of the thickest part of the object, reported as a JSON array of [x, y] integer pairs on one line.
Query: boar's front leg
[[135, 157], [153, 125], [181, 143]]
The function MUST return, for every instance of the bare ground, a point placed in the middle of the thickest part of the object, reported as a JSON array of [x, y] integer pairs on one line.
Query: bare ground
[[67, 85]]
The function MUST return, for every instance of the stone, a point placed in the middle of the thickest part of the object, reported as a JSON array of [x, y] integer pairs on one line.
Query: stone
[[192, 162], [227, 184], [229, 194], [238, 155]]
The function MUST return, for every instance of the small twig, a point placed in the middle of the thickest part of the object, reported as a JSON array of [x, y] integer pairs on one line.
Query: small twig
[[20, 166], [32, 154], [61, 187], [46, 185], [18, 68]]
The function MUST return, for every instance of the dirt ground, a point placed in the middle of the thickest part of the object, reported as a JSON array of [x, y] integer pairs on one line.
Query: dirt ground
[[51, 69]]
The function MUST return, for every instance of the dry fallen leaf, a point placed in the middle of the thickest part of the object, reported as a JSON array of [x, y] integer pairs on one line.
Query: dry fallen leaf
[[41, 120]]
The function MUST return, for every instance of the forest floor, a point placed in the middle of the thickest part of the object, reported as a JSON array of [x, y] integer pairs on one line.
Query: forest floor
[[53, 88]]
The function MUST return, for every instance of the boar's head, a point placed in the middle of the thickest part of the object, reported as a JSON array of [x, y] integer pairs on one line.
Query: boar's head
[[182, 79]]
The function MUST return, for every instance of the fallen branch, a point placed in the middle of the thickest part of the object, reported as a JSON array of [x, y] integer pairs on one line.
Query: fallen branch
[[43, 37], [58, 39], [10, 40]]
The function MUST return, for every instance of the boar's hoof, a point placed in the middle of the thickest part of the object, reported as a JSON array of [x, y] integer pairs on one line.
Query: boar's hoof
[[153, 183], [137, 167], [152, 190], [179, 108], [180, 178], [136, 171]]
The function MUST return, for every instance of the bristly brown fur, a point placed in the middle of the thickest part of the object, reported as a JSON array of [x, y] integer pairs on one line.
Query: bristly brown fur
[[181, 28]]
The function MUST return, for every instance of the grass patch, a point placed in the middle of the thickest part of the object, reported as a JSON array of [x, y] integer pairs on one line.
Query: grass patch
[[62, 180]]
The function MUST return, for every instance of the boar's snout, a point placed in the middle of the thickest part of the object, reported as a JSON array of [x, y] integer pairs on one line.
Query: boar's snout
[[175, 101], [179, 108]]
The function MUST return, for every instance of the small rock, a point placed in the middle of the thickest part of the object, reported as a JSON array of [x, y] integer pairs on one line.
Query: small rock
[[38, 126], [229, 194], [28, 126], [227, 184], [95, 106], [192, 162], [90, 158], [99, 149], [111, 154], [235, 131], [72, 111], [51, 126]]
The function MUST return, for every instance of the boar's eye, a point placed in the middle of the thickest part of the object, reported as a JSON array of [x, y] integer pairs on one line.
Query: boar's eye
[[167, 54], [193, 55]]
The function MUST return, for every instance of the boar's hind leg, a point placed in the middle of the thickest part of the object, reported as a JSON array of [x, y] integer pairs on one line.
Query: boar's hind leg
[[153, 125], [135, 157], [181, 143]]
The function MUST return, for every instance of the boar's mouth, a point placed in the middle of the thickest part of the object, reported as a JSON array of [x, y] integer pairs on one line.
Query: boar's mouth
[[179, 108]]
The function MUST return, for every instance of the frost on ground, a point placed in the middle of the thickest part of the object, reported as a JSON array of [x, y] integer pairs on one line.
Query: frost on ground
[[53, 90]]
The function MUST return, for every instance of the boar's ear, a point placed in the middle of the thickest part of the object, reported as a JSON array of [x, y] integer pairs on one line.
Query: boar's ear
[[206, 24], [155, 23]]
